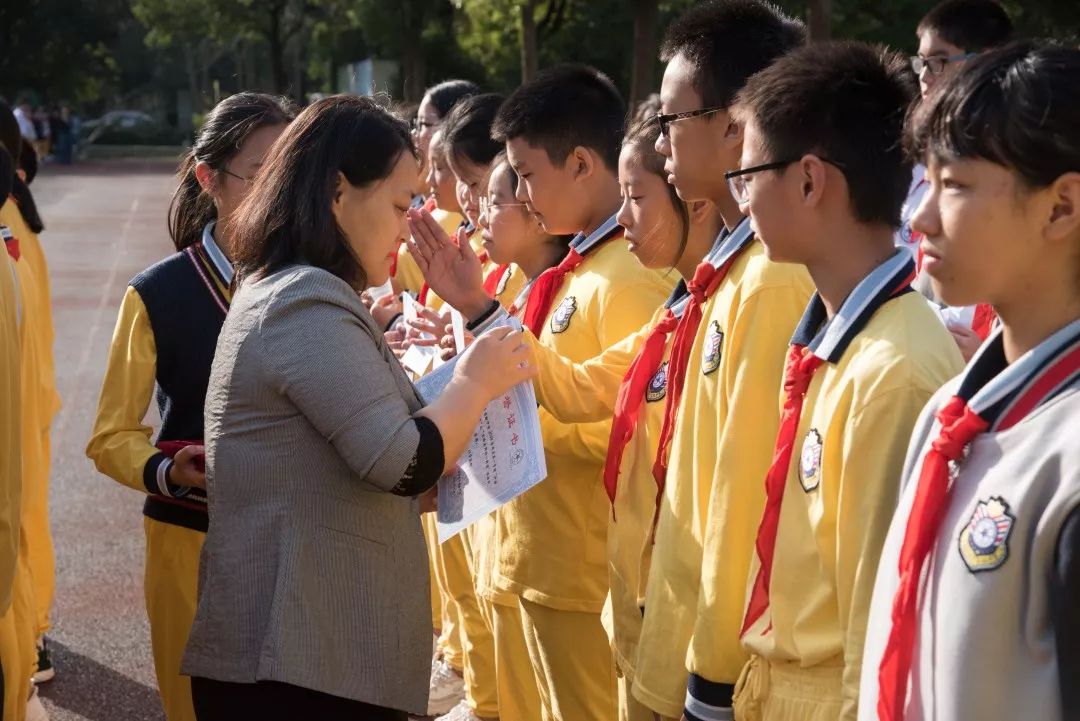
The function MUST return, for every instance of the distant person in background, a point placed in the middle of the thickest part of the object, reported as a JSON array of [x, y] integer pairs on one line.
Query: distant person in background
[[951, 34], [164, 343], [26, 123]]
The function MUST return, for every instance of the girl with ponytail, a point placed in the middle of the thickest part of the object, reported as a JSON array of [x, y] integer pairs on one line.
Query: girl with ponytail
[[164, 343]]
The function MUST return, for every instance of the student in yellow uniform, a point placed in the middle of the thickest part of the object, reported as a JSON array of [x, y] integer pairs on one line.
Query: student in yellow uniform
[[823, 176], [510, 235], [739, 318], [630, 380], [469, 152], [436, 104], [19, 214], [16, 660], [563, 133], [165, 338]]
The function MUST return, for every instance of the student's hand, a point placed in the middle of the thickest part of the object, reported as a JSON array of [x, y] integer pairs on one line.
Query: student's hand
[[448, 344], [395, 340], [384, 309], [427, 322], [449, 266], [186, 467], [429, 500], [496, 362], [966, 339]]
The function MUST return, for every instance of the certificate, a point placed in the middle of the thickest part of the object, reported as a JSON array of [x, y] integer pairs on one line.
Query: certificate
[[504, 459]]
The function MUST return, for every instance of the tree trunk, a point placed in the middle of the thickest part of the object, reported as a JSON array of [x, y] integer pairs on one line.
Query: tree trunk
[[276, 47], [193, 79], [413, 60], [530, 61], [820, 20], [643, 68]]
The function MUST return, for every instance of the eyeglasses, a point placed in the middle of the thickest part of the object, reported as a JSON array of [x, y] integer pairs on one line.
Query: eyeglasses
[[936, 63], [418, 125], [238, 177], [666, 119], [737, 179], [487, 205]]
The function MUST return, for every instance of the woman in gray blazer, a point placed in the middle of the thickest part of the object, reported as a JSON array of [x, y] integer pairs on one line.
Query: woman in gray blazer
[[313, 593]]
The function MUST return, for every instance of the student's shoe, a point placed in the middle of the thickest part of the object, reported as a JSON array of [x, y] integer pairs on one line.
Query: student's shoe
[[447, 687], [464, 712], [45, 671], [35, 711]]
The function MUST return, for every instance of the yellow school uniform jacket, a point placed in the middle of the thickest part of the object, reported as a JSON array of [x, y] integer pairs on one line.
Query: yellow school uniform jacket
[[720, 450], [576, 392], [885, 357], [508, 291], [43, 333], [552, 539], [10, 428]]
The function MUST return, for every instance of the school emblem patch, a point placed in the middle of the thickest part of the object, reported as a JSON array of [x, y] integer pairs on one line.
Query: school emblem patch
[[560, 319], [984, 541], [810, 461], [503, 281], [714, 344], [657, 385]]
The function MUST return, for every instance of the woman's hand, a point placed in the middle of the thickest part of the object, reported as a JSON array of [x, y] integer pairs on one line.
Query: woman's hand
[[187, 467], [496, 362], [450, 268], [384, 309]]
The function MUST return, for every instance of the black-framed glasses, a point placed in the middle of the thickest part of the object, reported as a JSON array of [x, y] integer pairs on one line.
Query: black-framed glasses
[[936, 63], [737, 179], [664, 120], [418, 125], [238, 177]]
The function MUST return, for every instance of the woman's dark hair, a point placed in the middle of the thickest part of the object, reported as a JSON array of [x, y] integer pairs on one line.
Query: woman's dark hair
[[467, 130], [10, 135], [28, 161], [446, 94], [1017, 106], [223, 133], [287, 216], [7, 173], [641, 141]]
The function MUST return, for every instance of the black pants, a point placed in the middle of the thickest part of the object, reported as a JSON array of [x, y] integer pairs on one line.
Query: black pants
[[273, 701]]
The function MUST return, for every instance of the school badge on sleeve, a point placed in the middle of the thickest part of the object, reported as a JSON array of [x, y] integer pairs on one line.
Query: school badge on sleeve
[[657, 385], [810, 461], [560, 319], [714, 345], [984, 542]]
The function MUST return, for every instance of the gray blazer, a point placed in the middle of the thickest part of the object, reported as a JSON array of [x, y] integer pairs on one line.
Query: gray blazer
[[312, 573]]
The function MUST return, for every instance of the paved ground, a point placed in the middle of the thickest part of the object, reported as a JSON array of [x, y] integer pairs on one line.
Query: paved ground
[[105, 222]]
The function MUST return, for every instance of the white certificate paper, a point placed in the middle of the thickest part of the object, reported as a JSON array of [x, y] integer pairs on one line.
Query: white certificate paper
[[418, 358], [504, 459]]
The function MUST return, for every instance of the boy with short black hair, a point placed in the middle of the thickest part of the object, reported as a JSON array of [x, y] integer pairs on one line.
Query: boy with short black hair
[[563, 134], [727, 354], [955, 31], [823, 177]]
